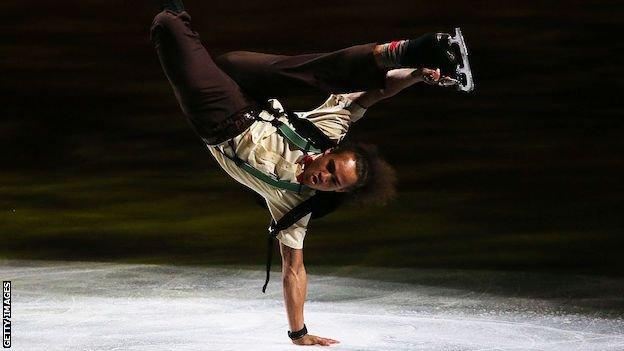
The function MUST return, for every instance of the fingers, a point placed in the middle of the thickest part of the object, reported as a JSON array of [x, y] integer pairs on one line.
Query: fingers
[[434, 77], [315, 340], [326, 341], [448, 81], [431, 76]]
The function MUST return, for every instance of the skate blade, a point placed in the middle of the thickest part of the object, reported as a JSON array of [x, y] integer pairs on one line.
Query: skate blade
[[464, 73]]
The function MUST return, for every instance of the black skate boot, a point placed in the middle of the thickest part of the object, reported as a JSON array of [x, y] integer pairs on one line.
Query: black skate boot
[[443, 51]]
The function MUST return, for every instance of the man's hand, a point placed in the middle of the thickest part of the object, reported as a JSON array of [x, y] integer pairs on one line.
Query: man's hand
[[399, 79], [427, 75], [433, 77], [314, 340]]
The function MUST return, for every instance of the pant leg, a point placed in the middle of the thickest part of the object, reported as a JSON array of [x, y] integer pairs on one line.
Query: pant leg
[[265, 75], [205, 93]]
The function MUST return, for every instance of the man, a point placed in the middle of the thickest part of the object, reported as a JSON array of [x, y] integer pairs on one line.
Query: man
[[249, 137]]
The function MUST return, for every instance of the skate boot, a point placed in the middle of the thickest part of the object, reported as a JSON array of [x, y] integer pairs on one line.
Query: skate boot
[[443, 51]]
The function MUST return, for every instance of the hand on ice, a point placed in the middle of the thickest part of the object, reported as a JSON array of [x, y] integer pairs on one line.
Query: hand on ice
[[314, 340]]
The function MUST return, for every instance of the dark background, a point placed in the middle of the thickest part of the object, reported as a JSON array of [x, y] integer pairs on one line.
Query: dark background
[[97, 161]]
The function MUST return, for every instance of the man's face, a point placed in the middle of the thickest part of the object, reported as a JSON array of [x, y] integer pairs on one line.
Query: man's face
[[331, 172]]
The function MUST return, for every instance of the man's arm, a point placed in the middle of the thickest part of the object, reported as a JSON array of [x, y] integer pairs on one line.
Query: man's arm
[[295, 283], [396, 80]]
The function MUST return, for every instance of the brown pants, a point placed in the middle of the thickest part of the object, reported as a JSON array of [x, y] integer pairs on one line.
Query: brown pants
[[211, 99]]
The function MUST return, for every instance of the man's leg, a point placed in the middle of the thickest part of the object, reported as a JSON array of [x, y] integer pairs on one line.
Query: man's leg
[[266, 76], [357, 68], [444, 51], [207, 96]]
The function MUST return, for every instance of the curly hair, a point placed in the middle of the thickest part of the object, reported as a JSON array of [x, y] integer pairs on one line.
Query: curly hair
[[376, 182]]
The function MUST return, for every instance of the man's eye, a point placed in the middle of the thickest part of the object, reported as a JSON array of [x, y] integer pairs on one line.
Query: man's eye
[[330, 166]]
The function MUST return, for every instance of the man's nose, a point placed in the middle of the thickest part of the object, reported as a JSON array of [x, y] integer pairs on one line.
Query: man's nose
[[324, 175]]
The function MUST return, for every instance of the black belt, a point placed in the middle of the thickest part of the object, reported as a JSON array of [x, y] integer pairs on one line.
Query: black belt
[[231, 127]]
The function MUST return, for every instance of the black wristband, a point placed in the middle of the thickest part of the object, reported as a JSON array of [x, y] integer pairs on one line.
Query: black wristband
[[299, 333]]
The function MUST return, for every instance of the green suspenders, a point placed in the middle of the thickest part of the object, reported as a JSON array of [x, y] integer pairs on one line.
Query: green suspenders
[[294, 138]]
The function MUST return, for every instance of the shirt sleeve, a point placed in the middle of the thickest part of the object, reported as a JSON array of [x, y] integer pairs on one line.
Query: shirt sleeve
[[335, 115], [294, 235]]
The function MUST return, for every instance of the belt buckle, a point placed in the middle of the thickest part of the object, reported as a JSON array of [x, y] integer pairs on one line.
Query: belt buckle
[[248, 115], [239, 123]]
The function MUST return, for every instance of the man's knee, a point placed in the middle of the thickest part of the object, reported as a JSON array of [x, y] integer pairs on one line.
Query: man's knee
[[230, 60], [249, 69], [234, 65]]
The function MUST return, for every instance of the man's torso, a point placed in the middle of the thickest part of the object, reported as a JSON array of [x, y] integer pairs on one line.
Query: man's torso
[[265, 149]]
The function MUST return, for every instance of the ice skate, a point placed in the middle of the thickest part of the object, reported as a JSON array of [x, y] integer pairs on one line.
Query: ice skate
[[442, 51], [454, 64]]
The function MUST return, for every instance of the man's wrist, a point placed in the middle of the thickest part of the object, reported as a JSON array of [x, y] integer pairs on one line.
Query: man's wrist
[[299, 333]]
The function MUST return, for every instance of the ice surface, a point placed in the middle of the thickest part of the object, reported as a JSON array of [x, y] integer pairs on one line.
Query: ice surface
[[107, 306]]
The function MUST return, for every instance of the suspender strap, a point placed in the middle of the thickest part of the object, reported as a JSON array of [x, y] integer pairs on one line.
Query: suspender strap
[[264, 177], [295, 138], [305, 130], [269, 259], [316, 144], [310, 131], [290, 218]]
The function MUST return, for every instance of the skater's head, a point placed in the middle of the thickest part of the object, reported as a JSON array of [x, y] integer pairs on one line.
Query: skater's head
[[355, 168]]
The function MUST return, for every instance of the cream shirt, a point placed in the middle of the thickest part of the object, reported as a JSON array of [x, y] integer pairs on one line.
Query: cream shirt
[[265, 149]]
